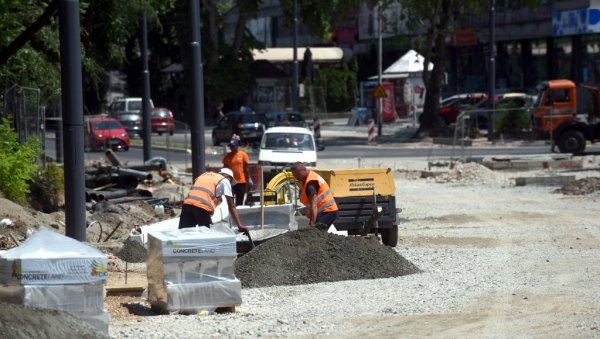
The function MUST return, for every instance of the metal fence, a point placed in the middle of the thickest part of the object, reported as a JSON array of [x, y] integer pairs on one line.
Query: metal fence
[[22, 104]]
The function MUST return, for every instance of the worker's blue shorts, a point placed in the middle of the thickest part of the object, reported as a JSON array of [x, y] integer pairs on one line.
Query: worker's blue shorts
[[326, 218]]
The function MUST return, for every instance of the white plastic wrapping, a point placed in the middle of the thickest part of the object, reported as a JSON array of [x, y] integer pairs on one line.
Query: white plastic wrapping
[[76, 299], [219, 240], [50, 258], [197, 271], [192, 268], [275, 217], [202, 296]]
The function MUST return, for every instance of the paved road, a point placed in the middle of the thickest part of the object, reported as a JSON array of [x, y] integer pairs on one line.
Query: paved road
[[341, 142]]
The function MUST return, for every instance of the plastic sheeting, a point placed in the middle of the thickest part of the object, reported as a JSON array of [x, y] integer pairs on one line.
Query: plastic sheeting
[[205, 296], [275, 217], [52, 271], [192, 269], [50, 258]]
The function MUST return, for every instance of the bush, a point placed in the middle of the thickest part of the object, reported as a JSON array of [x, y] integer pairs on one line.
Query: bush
[[513, 121], [17, 163], [47, 190]]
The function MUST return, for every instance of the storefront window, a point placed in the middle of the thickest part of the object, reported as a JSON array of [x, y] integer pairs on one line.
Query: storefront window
[[539, 56], [591, 59], [562, 50]]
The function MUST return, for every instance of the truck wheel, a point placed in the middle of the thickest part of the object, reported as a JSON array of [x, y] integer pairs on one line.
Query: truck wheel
[[389, 236], [571, 141], [215, 140]]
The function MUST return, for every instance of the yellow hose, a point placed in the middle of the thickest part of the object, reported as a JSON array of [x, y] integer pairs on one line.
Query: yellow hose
[[282, 184]]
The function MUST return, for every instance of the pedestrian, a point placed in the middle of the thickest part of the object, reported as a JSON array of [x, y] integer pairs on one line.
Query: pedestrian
[[205, 194], [238, 160], [321, 209]]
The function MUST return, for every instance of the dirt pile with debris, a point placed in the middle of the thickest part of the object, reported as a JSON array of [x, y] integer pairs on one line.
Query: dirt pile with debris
[[471, 173], [311, 256], [19, 322], [581, 186]]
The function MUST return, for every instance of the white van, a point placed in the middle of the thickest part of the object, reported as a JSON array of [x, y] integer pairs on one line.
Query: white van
[[283, 146]]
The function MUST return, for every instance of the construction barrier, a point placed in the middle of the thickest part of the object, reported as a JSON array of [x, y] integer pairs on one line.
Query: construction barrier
[[317, 129], [371, 132]]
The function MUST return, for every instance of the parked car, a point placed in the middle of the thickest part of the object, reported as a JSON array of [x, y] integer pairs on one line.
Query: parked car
[[162, 121], [285, 119], [103, 132], [132, 122], [129, 112], [120, 105], [478, 115], [283, 146], [248, 126], [451, 107]]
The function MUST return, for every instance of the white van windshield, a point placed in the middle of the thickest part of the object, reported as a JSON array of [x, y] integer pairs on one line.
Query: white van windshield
[[285, 141]]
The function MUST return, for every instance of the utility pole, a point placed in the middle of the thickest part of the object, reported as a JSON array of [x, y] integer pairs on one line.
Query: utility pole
[[197, 93], [379, 68], [295, 77], [147, 127], [492, 75], [72, 123]]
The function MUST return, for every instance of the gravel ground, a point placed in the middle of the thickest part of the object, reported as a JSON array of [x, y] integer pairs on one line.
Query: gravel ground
[[497, 261]]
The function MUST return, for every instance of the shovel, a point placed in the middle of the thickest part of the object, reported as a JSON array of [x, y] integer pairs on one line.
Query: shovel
[[246, 231]]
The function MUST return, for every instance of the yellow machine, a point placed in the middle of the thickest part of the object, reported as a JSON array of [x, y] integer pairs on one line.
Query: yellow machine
[[365, 198]]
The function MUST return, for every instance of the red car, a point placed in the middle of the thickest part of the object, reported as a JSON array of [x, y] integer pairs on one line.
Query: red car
[[451, 107], [162, 121], [101, 133]]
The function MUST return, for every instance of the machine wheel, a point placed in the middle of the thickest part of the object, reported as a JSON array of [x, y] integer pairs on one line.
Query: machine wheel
[[215, 141], [389, 236], [571, 141]]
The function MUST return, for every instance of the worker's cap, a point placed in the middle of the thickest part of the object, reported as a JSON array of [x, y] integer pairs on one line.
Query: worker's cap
[[227, 171], [234, 142]]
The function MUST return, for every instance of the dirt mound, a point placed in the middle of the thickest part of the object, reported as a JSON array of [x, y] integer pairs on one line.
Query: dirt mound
[[133, 251], [471, 173], [580, 186], [311, 256], [27, 322]]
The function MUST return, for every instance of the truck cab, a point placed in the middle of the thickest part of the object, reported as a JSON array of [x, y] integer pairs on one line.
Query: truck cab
[[568, 114]]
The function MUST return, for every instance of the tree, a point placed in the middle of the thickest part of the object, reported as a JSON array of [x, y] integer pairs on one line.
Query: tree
[[438, 20]]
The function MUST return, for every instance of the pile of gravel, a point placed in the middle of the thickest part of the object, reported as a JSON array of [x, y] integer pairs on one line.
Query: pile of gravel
[[132, 251], [311, 256], [19, 321], [471, 174]]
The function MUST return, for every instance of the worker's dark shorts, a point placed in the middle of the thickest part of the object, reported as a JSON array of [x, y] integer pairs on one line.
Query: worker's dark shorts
[[326, 218], [192, 216]]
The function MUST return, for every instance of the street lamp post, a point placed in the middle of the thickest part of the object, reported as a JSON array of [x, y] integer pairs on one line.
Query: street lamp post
[[379, 69], [492, 75], [295, 76]]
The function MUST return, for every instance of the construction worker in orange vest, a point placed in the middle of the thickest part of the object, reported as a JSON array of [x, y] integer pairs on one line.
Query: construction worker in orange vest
[[205, 195], [321, 209], [238, 160]]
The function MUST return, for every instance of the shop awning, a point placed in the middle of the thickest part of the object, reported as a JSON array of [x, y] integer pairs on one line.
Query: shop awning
[[281, 54]]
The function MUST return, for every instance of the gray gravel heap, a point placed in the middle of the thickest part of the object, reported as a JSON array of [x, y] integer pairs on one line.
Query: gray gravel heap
[[311, 256], [132, 251]]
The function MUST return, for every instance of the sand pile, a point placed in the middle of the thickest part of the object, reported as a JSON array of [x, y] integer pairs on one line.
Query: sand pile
[[311, 256], [473, 174]]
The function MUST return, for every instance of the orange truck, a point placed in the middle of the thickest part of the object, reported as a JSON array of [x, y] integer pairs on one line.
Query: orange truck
[[568, 114]]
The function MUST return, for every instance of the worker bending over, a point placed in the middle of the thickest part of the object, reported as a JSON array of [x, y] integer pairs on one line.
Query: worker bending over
[[205, 194], [315, 194]]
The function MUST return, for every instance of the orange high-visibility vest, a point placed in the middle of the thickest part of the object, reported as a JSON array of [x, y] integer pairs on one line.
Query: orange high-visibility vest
[[325, 200], [203, 193]]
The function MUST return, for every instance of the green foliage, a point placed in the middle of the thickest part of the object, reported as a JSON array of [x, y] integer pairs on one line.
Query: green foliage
[[17, 163], [340, 87], [513, 120], [47, 189]]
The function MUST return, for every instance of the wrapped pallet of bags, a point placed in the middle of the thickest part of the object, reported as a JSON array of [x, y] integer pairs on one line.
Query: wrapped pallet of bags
[[192, 269], [50, 270]]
